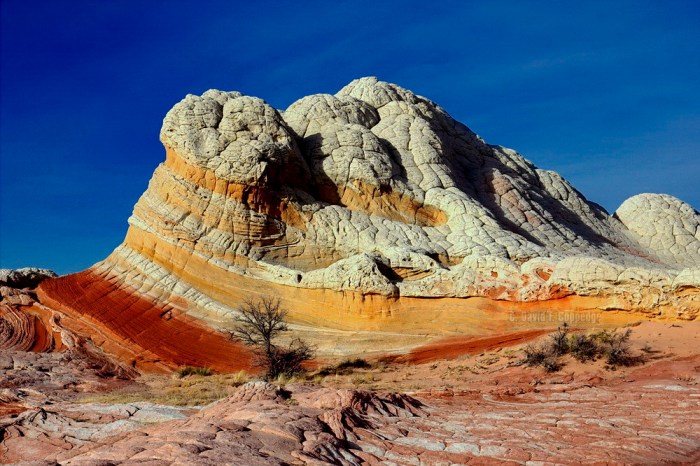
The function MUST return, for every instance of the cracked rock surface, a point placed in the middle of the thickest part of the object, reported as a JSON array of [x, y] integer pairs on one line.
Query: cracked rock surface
[[664, 224], [567, 423]]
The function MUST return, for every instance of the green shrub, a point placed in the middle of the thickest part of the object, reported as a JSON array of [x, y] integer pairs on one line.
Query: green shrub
[[536, 355], [614, 346], [357, 363], [552, 364], [617, 349]]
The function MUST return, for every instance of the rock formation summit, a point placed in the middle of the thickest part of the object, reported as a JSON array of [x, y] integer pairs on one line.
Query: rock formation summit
[[359, 209]]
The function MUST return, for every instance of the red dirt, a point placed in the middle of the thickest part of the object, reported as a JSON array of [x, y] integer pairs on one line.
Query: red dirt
[[453, 347], [150, 336]]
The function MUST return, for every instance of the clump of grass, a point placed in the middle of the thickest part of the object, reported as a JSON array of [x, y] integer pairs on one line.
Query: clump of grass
[[284, 379], [191, 370], [488, 360], [363, 379], [611, 345], [186, 391], [238, 378], [344, 368]]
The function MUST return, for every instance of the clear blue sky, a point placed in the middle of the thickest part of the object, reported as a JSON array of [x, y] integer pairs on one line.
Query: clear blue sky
[[606, 93]]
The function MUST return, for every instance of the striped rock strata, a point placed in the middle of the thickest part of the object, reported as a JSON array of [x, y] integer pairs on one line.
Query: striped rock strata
[[355, 208]]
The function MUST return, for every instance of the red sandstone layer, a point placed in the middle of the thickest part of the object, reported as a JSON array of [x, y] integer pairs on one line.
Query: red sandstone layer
[[148, 335], [453, 347]]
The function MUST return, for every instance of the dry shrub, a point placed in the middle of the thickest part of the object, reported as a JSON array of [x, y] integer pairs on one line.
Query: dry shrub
[[614, 346]]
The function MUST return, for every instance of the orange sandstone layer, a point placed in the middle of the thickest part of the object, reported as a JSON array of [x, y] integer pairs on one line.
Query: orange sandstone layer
[[157, 334], [265, 200], [348, 310], [450, 348]]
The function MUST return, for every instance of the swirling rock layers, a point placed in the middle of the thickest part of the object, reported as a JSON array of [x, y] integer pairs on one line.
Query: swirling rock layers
[[356, 207]]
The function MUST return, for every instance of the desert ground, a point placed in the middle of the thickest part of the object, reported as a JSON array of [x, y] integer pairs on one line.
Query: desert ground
[[468, 400]]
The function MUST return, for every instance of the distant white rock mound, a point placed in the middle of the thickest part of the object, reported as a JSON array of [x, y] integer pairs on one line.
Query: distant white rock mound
[[25, 277], [665, 225]]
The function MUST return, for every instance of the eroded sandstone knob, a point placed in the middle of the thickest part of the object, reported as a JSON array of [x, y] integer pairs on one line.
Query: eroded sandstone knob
[[372, 168]]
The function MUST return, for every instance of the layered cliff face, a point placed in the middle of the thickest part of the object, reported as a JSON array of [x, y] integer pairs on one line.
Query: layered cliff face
[[357, 206]]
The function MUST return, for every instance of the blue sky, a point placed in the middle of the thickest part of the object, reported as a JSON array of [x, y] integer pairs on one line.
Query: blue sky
[[606, 93]]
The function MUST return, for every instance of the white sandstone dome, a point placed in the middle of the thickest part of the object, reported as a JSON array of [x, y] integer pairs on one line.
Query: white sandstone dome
[[665, 225]]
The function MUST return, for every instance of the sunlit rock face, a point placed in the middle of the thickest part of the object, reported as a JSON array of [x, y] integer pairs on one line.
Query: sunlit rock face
[[357, 206]]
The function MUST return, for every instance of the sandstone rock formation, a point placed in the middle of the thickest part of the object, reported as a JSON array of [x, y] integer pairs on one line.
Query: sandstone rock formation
[[354, 208], [665, 225], [27, 325]]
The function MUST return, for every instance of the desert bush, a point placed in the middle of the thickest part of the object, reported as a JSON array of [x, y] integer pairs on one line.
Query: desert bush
[[551, 364], [191, 370], [543, 355], [288, 361], [583, 347], [258, 324], [536, 355], [616, 348], [559, 340], [357, 363]]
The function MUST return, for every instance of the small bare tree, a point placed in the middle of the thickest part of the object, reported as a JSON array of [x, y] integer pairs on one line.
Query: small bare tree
[[258, 324]]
